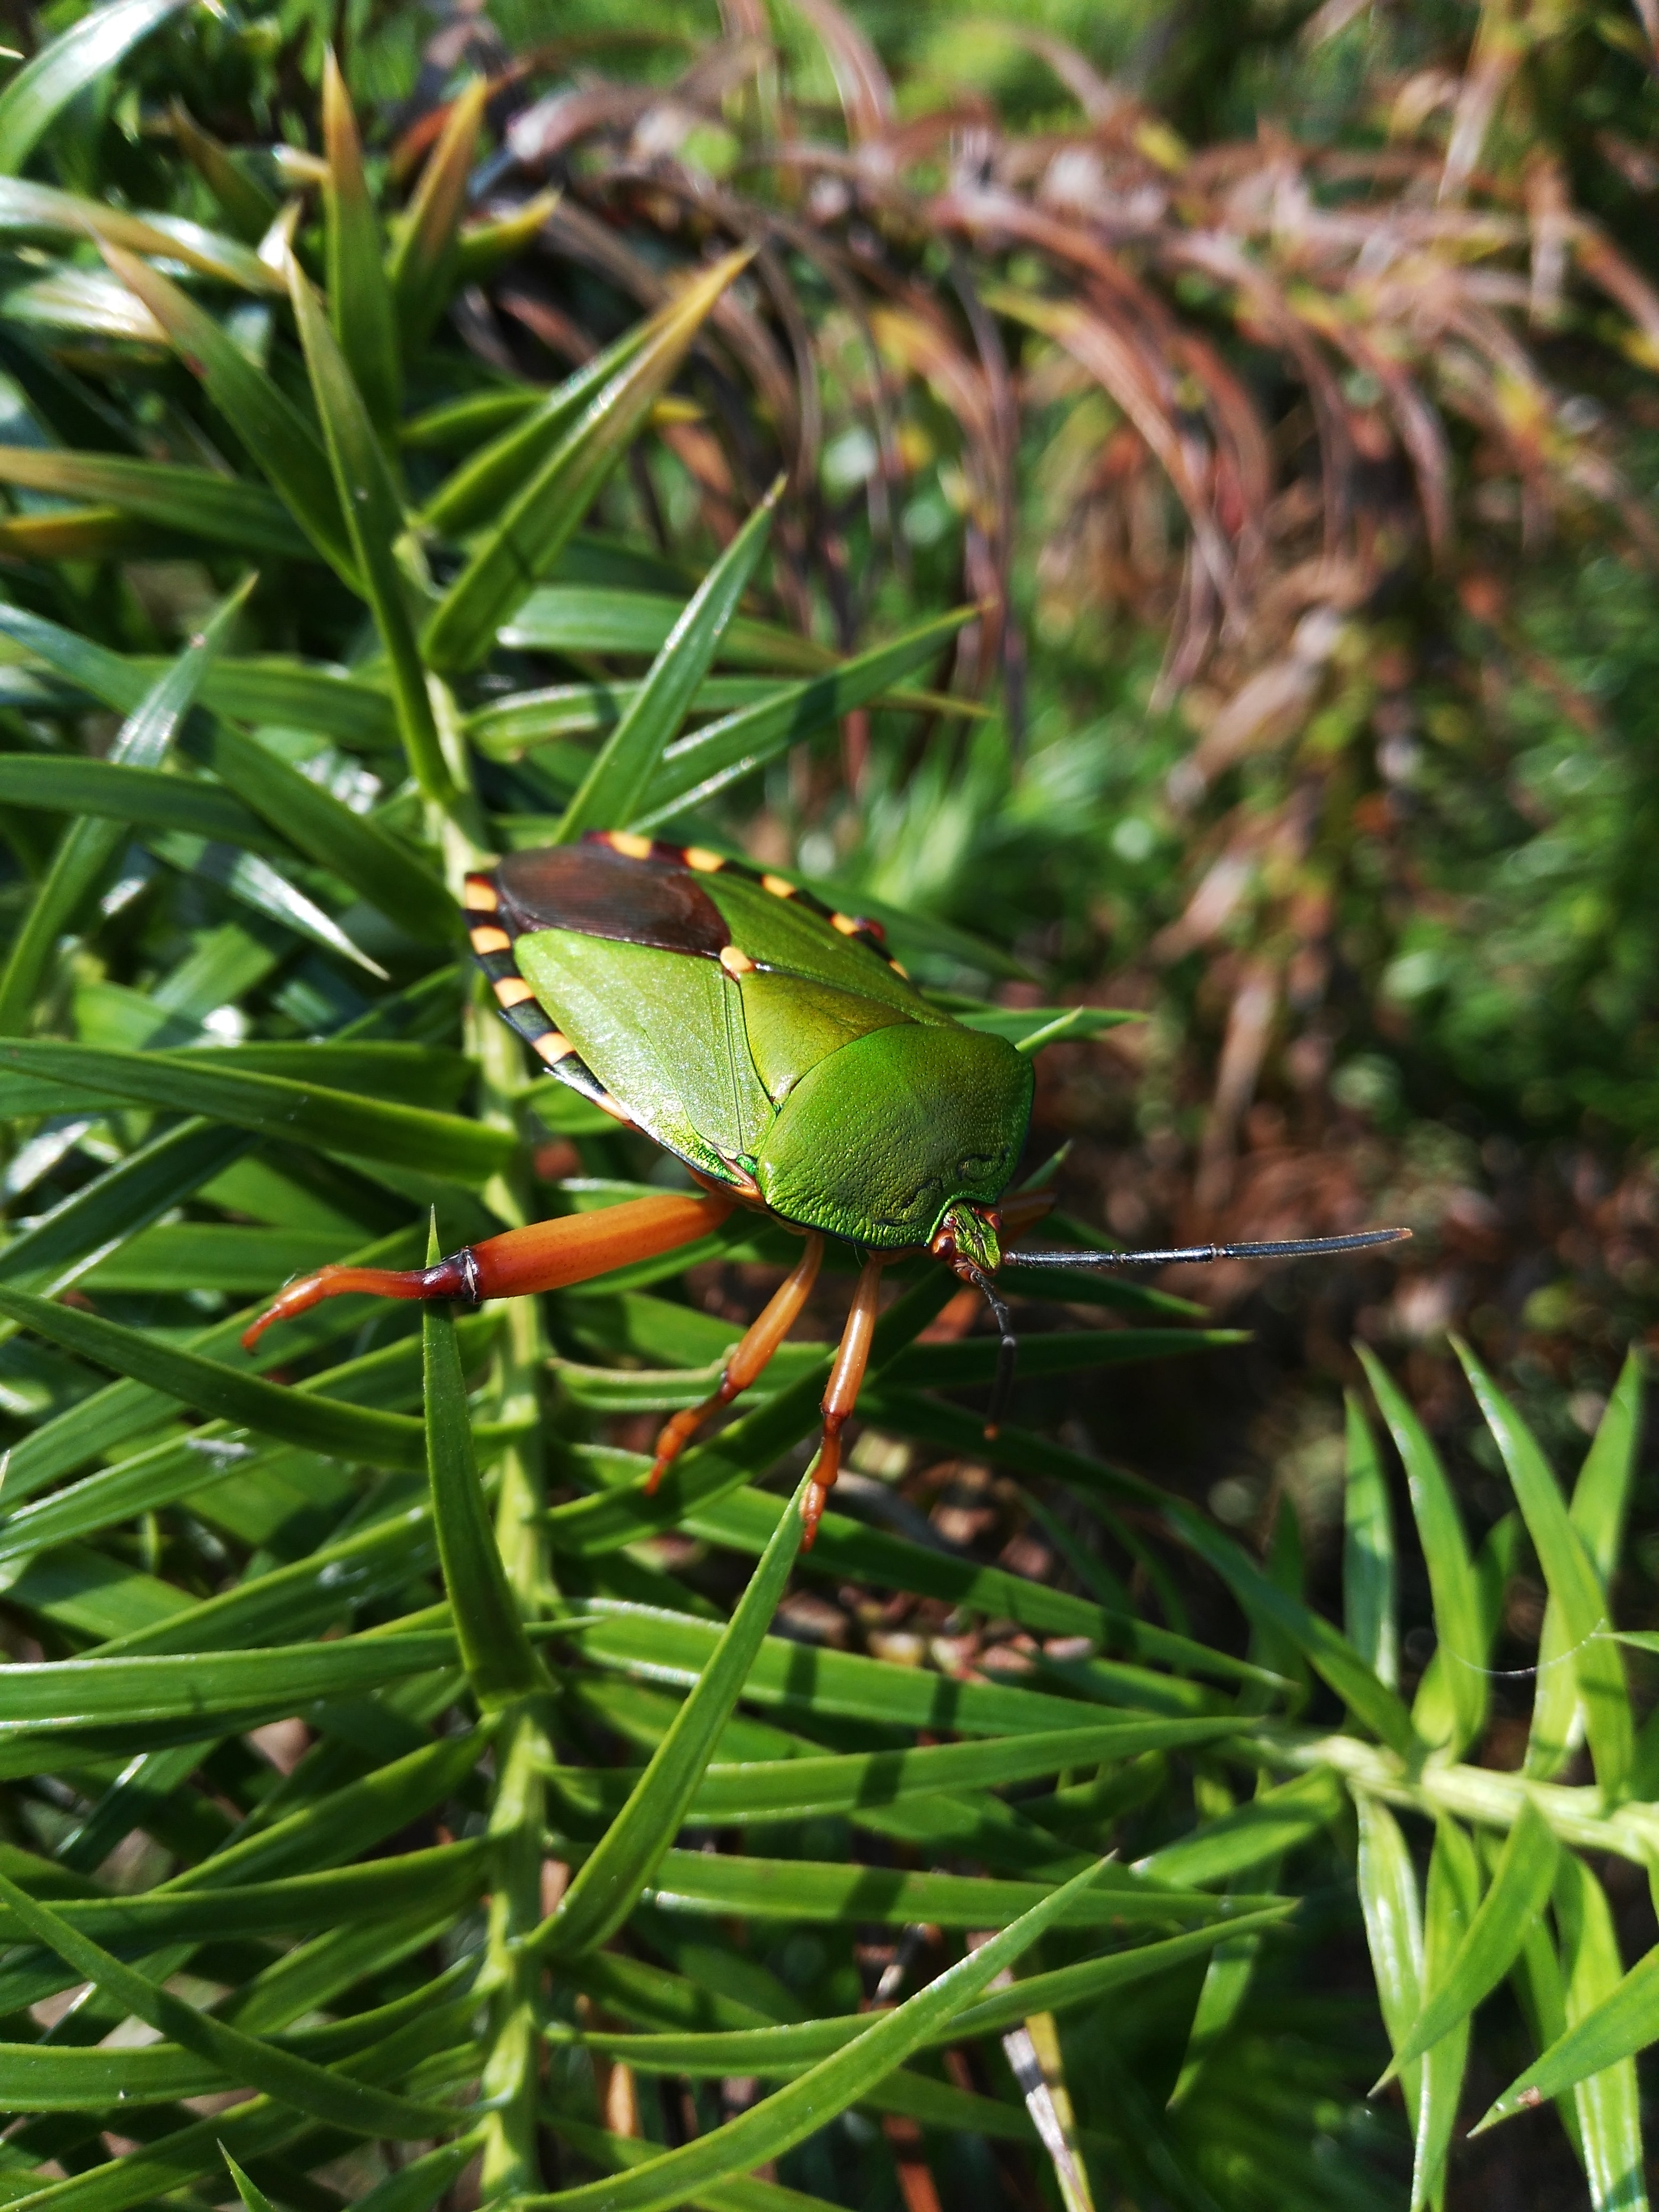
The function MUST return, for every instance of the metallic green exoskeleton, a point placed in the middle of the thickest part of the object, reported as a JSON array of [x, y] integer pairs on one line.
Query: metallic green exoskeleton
[[771, 1045]]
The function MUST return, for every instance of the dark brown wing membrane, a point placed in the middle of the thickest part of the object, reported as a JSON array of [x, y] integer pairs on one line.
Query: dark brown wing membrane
[[599, 892]]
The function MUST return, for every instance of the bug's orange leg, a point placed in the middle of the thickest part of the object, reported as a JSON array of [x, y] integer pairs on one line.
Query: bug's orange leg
[[839, 1400], [748, 1358], [543, 1256]]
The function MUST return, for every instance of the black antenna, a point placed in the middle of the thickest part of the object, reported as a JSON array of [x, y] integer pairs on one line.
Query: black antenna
[[1197, 1255], [1007, 1350]]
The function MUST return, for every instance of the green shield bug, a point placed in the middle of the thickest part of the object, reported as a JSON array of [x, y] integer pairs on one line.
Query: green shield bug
[[779, 1050]]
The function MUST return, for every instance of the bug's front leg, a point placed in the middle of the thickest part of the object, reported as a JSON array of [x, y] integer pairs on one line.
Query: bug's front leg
[[748, 1358], [546, 1255], [842, 1394]]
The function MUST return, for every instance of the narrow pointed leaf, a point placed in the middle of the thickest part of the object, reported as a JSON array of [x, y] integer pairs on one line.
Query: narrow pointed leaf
[[697, 767], [494, 1648], [1452, 1900], [61, 71], [197, 501], [360, 299], [302, 812], [605, 1891], [37, 1075], [612, 793], [70, 784], [1446, 1553], [1573, 1580], [422, 260], [1520, 1885], [474, 493], [1624, 2022], [1369, 1598], [29, 209], [375, 520], [134, 1689], [791, 2114], [90, 847], [544, 517], [322, 1425], [1600, 1499], [241, 2058], [1324, 1648], [274, 433]]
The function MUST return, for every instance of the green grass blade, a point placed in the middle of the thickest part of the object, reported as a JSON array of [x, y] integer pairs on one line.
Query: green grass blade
[[614, 787], [196, 502], [1394, 1932], [1573, 1581], [477, 491], [1371, 1611], [405, 1136], [676, 1648], [770, 2128], [499, 1664], [1452, 1901], [33, 210], [608, 1887], [1258, 1832], [61, 71], [359, 296], [272, 430], [253, 2198], [769, 2049], [1325, 1648], [375, 864], [421, 268], [809, 1787], [350, 1432], [1623, 2022], [1599, 1500], [240, 2058], [159, 1687], [107, 1212], [1446, 1553], [374, 521], [302, 812], [698, 766], [412, 1882], [1611, 2015], [1521, 1885], [546, 515], [88, 847], [140, 797]]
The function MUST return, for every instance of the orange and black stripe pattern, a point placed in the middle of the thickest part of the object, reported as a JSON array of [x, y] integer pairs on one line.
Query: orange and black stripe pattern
[[701, 861], [492, 948]]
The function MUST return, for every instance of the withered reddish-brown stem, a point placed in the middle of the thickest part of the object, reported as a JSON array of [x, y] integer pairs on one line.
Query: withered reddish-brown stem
[[546, 1255], [842, 1395], [747, 1360]]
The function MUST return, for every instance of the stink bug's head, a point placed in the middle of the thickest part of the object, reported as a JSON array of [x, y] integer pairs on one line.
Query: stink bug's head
[[967, 1240]]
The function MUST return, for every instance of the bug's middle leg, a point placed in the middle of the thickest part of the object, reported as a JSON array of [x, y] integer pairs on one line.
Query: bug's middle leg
[[842, 1394], [747, 1360]]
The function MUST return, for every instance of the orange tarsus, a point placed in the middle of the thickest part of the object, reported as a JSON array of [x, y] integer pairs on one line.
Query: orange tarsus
[[747, 1360], [544, 1255], [842, 1395]]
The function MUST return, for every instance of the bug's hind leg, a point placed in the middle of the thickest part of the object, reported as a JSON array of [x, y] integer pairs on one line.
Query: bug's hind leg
[[748, 1358], [543, 1256], [842, 1394]]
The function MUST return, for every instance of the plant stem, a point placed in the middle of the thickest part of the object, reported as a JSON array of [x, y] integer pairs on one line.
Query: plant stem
[[1482, 1795], [524, 1747]]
